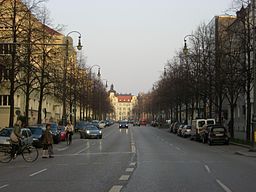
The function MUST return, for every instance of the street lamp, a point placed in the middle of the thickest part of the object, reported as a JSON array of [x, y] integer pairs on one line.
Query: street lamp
[[79, 47], [106, 84], [185, 52], [87, 88]]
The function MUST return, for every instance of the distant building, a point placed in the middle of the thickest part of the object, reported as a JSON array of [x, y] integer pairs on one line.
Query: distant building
[[123, 105]]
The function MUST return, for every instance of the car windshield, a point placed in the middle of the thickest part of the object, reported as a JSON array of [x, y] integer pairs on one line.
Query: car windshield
[[36, 131], [5, 132], [91, 127]]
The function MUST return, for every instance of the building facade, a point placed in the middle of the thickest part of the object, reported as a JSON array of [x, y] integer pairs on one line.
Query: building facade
[[123, 105]]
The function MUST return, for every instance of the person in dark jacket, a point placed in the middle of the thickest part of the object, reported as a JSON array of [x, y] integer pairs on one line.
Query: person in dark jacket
[[47, 143]]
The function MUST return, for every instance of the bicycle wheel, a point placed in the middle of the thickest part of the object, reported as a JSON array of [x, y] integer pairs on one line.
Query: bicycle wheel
[[5, 155], [30, 154]]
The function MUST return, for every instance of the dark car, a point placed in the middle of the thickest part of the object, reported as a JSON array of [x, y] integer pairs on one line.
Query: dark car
[[55, 132], [123, 124], [90, 131], [215, 134], [37, 134], [80, 125]]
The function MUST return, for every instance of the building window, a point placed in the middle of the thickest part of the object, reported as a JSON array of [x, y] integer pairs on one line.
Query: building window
[[4, 100], [4, 73]]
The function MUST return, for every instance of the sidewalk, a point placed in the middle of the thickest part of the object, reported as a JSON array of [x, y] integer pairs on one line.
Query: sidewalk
[[245, 151]]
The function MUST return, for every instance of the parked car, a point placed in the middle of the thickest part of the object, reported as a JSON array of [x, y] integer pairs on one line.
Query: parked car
[[62, 133], [215, 134], [80, 125], [6, 132], [102, 124], [154, 123], [175, 127], [143, 122], [197, 126], [136, 123], [179, 129], [96, 123], [123, 124], [90, 131], [37, 134], [185, 132]]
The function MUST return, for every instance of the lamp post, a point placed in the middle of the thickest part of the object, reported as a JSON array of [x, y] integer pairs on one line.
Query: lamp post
[[185, 52], [87, 113], [79, 47]]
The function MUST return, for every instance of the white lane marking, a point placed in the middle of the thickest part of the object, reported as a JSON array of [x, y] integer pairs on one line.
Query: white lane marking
[[132, 164], [84, 149], [116, 188], [129, 170], [133, 149], [36, 173], [207, 169], [62, 149], [3, 186], [226, 189], [171, 144], [178, 148], [124, 178]]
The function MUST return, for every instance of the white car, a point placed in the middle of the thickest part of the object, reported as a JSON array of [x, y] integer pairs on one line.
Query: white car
[[6, 132], [102, 124]]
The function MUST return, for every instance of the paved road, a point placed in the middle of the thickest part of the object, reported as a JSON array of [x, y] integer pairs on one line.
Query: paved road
[[138, 159]]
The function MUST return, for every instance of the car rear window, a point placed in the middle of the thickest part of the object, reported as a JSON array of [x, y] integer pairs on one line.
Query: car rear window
[[218, 129], [36, 131], [5, 132]]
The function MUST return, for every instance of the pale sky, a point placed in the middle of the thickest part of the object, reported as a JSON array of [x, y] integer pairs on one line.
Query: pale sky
[[133, 39]]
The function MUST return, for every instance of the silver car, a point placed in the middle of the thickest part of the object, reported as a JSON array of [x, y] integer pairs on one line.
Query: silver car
[[6, 132]]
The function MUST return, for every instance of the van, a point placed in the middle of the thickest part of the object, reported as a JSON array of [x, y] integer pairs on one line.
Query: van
[[197, 126]]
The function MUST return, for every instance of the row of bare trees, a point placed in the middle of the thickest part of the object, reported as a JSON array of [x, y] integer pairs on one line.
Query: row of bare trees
[[33, 61], [213, 68]]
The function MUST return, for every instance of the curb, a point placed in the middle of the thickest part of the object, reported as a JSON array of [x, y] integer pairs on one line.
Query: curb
[[239, 144], [247, 154]]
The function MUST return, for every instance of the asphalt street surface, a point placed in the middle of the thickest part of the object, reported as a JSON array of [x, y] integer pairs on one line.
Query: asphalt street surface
[[137, 159]]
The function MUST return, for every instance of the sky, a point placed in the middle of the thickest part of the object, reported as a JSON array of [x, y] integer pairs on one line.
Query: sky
[[132, 40]]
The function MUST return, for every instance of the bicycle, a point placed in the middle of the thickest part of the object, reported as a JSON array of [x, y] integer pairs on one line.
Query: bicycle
[[28, 152]]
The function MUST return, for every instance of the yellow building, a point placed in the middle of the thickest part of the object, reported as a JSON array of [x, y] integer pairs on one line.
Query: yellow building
[[51, 42], [123, 105]]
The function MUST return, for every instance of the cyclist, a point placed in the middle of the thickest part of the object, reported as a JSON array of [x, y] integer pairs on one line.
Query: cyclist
[[16, 138], [69, 132]]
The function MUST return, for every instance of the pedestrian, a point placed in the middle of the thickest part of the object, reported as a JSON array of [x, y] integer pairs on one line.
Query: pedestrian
[[47, 143], [15, 138], [69, 132]]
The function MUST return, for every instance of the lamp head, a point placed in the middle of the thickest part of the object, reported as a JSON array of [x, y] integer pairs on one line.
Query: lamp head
[[185, 49], [79, 46], [99, 73]]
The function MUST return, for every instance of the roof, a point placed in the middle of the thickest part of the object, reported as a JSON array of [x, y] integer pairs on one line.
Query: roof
[[124, 98]]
